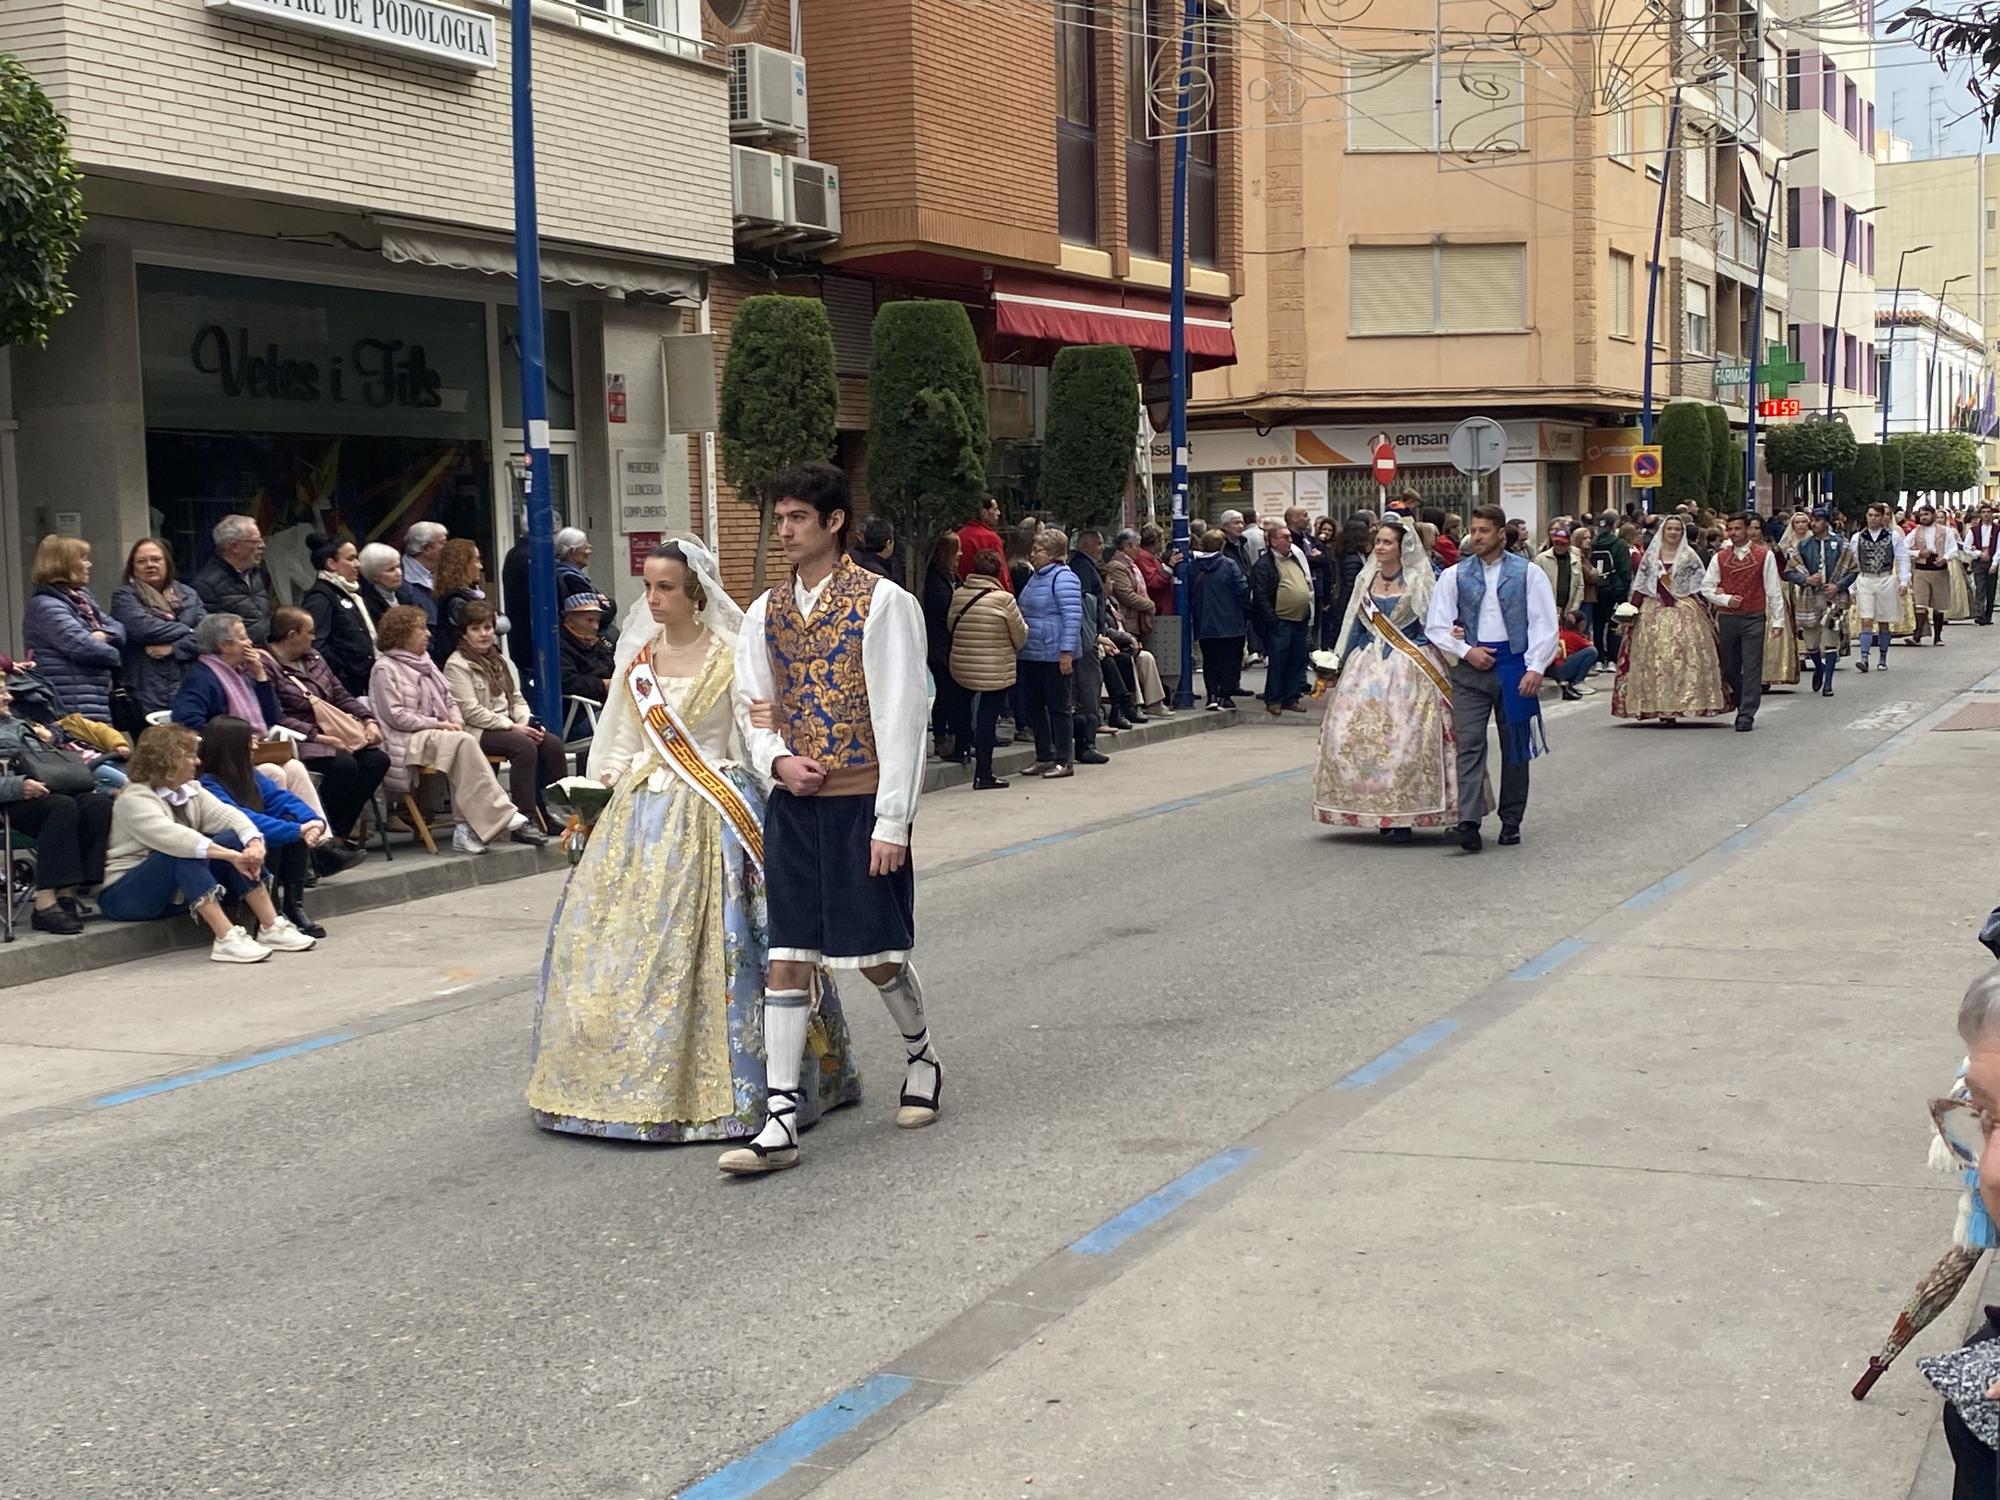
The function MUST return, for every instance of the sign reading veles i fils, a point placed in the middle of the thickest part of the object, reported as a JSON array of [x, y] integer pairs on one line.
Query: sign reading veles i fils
[[422, 28]]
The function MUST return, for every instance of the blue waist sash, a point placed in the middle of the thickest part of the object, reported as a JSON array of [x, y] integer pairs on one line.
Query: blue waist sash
[[1523, 736]]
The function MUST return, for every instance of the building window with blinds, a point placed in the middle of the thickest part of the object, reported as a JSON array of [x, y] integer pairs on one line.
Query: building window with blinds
[[1076, 122], [1618, 119], [1437, 289], [1466, 108], [1621, 295], [1697, 304], [1146, 25]]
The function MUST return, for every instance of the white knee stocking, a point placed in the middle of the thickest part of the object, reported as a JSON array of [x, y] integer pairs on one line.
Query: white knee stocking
[[923, 1074], [786, 1016]]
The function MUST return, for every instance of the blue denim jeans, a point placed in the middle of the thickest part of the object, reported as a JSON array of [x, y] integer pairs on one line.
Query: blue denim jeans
[[159, 884], [1573, 668], [1286, 643]]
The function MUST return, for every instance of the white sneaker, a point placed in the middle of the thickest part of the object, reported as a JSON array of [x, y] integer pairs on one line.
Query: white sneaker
[[282, 937], [237, 947], [464, 841], [520, 822]]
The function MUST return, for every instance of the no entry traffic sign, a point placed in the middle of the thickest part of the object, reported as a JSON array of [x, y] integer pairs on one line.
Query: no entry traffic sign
[[1385, 462]]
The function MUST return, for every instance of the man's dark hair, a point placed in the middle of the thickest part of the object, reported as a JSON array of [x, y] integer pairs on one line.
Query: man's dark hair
[[1432, 515], [1748, 519], [1491, 513], [876, 533], [823, 487]]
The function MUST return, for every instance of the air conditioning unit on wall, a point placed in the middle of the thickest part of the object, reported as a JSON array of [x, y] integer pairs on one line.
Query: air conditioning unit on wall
[[767, 93], [812, 199], [757, 182]]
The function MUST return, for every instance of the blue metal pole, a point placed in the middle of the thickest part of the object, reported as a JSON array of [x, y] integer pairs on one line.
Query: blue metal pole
[[1177, 433], [534, 380], [1653, 271], [1756, 349]]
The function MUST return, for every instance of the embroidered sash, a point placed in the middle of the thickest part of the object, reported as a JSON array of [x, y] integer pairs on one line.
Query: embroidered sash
[[677, 752], [1391, 635]]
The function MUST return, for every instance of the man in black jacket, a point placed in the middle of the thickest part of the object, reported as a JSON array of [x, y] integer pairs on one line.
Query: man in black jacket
[[233, 580], [587, 658], [514, 601], [1281, 593]]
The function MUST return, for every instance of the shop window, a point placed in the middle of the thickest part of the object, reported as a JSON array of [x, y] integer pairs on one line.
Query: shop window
[[312, 408], [558, 363]]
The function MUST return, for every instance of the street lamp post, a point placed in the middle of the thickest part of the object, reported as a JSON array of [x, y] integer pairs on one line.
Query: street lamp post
[[1895, 302], [1659, 228], [534, 379], [1931, 381], [1177, 369], [1839, 292], [1757, 330]]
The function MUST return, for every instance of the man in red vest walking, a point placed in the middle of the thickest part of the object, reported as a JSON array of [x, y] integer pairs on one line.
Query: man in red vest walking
[[1742, 584]]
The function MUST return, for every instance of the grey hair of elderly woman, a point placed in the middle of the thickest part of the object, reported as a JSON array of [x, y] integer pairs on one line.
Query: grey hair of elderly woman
[[376, 559], [1979, 1011], [1126, 538], [214, 630], [568, 540]]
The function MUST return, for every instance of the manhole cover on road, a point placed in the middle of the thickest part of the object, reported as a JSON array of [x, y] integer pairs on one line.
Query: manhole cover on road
[[1888, 716], [1974, 716]]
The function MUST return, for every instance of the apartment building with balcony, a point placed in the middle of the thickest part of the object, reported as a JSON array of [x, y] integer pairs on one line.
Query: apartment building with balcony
[[1834, 240], [1011, 158], [295, 296], [1430, 236], [1935, 372]]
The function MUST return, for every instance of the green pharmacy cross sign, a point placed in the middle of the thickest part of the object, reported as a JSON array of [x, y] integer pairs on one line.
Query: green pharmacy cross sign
[[1779, 371]]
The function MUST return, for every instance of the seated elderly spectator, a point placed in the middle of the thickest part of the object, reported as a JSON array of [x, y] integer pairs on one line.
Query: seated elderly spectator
[[159, 614], [572, 578], [422, 729], [290, 830], [587, 658], [231, 676], [75, 645], [340, 739], [175, 845], [233, 580], [343, 630], [490, 702], [383, 586], [69, 821], [423, 548]]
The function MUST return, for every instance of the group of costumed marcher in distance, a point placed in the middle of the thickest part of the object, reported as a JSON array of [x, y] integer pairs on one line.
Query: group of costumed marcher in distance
[[1425, 657], [1422, 664], [686, 993]]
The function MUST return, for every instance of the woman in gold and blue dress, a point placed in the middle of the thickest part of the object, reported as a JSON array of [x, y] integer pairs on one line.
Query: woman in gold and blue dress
[[1388, 756], [650, 1023]]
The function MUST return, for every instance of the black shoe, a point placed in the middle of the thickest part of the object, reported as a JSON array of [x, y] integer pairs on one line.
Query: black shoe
[[1827, 691], [1140, 718], [1469, 839], [1119, 721], [55, 920], [988, 784], [530, 835], [1861, 664], [294, 912], [77, 907], [335, 857], [1744, 726], [1570, 694], [1401, 835], [1510, 835], [1092, 758], [1229, 705]]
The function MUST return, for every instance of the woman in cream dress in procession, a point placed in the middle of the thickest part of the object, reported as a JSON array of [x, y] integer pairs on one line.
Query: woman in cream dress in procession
[[650, 1022], [1781, 651], [1388, 758], [1669, 667]]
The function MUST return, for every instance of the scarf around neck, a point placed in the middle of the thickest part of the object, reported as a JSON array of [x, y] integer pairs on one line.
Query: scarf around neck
[[166, 603], [353, 592], [491, 669], [242, 697]]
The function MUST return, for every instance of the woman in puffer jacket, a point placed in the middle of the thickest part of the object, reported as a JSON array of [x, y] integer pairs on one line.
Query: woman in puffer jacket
[[987, 631], [74, 643]]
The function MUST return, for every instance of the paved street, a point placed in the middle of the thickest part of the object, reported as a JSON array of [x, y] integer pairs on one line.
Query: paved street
[[358, 1272]]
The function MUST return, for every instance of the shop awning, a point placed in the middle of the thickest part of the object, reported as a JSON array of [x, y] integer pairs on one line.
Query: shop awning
[[1044, 310], [458, 250]]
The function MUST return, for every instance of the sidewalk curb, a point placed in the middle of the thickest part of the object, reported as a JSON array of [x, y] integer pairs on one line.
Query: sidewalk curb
[[411, 876], [940, 775]]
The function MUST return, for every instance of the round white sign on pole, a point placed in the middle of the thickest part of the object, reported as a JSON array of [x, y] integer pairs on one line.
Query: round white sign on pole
[[1478, 444]]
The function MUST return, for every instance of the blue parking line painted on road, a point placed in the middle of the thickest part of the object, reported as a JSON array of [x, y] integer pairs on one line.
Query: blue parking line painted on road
[[1041, 843], [1409, 1048], [1655, 893], [1167, 807], [772, 1459], [1550, 959], [220, 1070], [1797, 804], [1154, 1207], [1737, 842]]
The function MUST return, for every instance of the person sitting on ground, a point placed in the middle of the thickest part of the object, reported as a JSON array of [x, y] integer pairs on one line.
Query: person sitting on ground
[[233, 677], [1575, 659], [383, 585], [69, 826], [159, 614], [290, 830], [586, 657], [423, 730], [343, 630], [339, 738], [490, 702], [175, 845]]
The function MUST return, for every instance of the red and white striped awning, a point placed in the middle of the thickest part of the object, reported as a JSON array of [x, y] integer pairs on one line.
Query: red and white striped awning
[[1044, 310]]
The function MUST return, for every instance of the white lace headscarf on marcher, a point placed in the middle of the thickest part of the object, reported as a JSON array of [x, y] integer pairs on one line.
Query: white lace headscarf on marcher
[[1683, 576], [1418, 580], [719, 612]]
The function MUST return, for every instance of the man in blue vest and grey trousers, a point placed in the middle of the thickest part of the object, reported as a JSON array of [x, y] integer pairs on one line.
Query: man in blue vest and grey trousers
[[1493, 615]]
